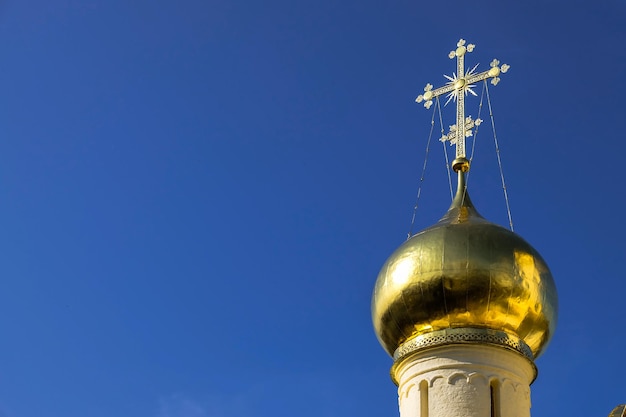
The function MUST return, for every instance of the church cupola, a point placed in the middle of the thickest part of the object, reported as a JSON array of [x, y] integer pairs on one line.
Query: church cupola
[[465, 306]]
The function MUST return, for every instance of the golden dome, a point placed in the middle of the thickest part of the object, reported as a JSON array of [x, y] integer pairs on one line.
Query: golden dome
[[464, 273]]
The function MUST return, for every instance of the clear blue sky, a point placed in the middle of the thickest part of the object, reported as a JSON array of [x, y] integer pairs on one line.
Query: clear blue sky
[[196, 196]]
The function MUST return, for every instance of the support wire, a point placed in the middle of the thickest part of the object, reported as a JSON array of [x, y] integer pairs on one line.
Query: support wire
[[495, 140], [475, 136], [445, 151], [419, 188]]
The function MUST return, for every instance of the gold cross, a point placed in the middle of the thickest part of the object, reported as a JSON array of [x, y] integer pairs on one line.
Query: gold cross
[[458, 86]]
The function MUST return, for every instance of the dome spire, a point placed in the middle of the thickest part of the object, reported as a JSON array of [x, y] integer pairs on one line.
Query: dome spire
[[461, 209], [457, 87]]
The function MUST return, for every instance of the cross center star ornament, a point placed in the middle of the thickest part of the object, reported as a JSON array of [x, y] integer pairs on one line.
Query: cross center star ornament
[[457, 87]]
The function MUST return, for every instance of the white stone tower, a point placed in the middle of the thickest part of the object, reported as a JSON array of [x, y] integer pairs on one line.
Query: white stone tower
[[465, 306]]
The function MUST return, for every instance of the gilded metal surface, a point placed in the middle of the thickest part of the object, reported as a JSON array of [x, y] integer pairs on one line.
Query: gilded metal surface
[[460, 336], [619, 411], [458, 86], [464, 272], [455, 336], [460, 164]]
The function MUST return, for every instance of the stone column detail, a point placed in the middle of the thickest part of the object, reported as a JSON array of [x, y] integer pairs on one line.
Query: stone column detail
[[465, 381]]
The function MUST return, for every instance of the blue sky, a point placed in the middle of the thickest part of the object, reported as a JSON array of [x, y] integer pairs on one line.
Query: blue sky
[[197, 196]]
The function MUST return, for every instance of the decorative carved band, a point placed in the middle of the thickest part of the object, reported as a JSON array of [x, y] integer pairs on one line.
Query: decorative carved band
[[462, 336]]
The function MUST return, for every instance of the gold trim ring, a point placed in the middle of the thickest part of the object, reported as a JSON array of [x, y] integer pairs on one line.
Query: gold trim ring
[[460, 336]]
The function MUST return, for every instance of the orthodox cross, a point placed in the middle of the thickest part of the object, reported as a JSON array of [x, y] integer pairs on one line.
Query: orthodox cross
[[458, 86]]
